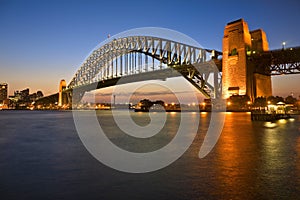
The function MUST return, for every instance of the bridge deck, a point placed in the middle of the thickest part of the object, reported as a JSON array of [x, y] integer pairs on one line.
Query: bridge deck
[[277, 62]]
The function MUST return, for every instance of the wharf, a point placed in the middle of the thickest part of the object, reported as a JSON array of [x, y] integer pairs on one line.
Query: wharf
[[268, 117]]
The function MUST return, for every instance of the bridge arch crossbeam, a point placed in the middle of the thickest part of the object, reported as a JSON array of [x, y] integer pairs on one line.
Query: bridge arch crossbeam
[[205, 77], [139, 54], [112, 53]]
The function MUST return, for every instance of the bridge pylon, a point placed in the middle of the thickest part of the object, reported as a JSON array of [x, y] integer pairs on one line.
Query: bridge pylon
[[62, 98], [239, 75]]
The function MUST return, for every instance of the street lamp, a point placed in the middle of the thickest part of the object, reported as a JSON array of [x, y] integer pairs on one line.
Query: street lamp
[[283, 45]]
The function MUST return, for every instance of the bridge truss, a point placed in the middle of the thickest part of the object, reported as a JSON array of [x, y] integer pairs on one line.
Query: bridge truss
[[277, 62], [134, 56]]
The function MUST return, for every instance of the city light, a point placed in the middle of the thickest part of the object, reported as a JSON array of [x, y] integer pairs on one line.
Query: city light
[[283, 45]]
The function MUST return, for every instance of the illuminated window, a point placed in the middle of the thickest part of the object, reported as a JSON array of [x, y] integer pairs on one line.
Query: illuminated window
[[233, 90], [233, 52]]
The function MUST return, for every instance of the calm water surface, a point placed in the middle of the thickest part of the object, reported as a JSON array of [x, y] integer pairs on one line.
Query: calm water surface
[[42, 157]]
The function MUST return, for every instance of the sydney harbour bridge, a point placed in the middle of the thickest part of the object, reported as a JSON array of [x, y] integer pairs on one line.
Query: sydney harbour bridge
[[244, 67]]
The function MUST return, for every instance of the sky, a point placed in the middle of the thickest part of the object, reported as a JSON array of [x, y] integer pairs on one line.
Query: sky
[[42, 42]]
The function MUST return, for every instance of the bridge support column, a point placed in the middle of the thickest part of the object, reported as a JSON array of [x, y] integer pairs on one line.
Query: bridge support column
[[62, 99], [238, 75]]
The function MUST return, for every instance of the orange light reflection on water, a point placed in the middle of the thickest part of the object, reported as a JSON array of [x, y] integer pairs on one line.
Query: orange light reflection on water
[[298, 154], [270, 125], [173, 113], [234, 152]]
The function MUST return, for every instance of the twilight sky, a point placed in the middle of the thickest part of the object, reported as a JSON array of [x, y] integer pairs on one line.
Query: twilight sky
[[42, 42]]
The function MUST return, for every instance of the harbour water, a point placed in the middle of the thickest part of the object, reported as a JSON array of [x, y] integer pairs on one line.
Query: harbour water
[[42, 157]]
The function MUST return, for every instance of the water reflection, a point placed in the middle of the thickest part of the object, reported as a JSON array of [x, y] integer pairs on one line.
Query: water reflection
[[173, 113], [297, 149], [250, 160], [278, 154], [236, 164], [282, 121], [291, 119], [270, 124]]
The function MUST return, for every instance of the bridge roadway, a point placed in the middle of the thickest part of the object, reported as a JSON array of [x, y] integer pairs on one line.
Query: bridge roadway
[[127, 59], [186, 71], [196, 74], [277, 62], [273, 62]]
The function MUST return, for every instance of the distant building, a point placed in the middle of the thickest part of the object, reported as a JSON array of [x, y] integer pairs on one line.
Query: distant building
[[3, 92], [39, 94], [24, 98], [32, 97], [22, 95], [35, 96]]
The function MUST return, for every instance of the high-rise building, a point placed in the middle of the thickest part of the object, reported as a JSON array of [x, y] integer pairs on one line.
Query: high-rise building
[[3, 91], [22, 95]]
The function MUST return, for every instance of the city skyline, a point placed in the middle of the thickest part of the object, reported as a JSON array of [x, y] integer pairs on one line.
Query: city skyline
[[44, 42]]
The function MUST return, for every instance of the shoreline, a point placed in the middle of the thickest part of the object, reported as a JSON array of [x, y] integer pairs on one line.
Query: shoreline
[[142, 111]]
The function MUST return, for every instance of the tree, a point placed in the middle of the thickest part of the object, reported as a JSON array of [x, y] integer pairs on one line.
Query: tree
[[145, 104], [239, 100], [260, 102], [290, 100], [275, 100]]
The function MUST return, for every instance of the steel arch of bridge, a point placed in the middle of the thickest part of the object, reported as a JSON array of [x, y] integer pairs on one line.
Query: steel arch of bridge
[[135, 55]]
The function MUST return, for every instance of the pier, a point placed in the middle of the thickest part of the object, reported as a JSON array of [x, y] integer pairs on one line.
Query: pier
[[272, 112], [268, 117]]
